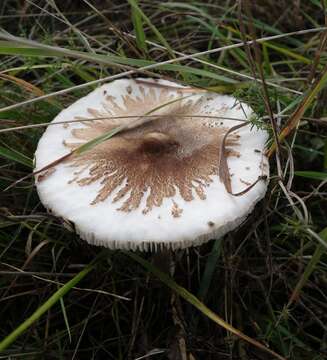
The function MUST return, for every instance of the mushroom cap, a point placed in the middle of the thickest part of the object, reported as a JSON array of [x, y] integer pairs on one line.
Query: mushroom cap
[[155, 185]]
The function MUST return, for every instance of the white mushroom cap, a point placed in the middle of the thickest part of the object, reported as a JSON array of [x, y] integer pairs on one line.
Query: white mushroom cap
[[156, 185]]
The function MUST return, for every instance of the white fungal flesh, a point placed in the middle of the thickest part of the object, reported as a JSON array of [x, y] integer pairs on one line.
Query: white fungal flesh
[[175, 221]]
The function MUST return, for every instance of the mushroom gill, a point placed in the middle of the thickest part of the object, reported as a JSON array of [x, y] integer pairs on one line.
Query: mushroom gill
[[174, 152]]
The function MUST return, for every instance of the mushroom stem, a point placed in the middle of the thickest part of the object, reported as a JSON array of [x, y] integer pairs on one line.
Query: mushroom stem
[[164, 261]]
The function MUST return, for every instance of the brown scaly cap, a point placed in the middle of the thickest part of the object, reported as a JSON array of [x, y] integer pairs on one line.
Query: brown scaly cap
[[170, 153], [156, 183]]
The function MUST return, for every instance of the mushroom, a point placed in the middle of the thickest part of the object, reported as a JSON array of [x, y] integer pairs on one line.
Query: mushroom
[[155, 184]]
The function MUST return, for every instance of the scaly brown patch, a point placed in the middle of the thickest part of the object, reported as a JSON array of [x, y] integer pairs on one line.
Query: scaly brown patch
[[167, 155], [176, 211]]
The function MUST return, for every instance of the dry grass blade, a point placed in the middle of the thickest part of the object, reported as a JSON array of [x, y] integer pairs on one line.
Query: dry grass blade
[[28, 260], [321, 47], [262, 285], [320, 250], [24, 84], [260, 178], [140, 120], [112, 27], [300, 110], [224, 173], [4, 343], [156, 65], [45, 168], [41, 125], [256, 63], [190, 298]]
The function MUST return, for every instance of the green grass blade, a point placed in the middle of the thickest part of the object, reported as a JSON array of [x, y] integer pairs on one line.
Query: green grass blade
[[163, 41], [312, 175], [16, 156], [289, 53], [64, 313], [193, 300], [12, 48], [138, 28], [181, 5], [7, 341], [20, 46], [300, 110], [281, 49], [320, 250], [35, 49], [104, 137], [98, 140], [209, 269]]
